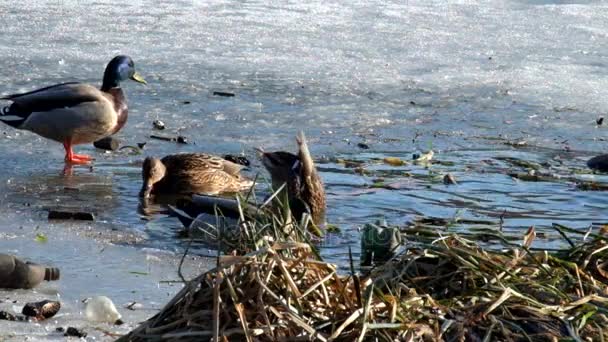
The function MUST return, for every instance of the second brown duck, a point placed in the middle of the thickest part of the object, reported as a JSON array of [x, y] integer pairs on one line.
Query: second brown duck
[[189, 173], [305, 190]]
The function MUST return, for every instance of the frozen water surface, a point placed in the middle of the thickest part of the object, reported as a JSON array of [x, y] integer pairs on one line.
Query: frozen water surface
[[462, 76]]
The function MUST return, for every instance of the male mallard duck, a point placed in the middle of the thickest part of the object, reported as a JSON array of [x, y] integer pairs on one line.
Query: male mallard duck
[[74, 113], [298, 172], [191, 173]]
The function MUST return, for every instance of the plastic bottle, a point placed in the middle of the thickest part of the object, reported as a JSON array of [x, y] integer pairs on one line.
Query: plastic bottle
[[17, 274], [101, 309]]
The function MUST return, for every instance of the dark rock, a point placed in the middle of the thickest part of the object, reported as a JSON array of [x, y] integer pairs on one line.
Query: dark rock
[[107, 143], [71, 215], [71, 331], [186, 102], [141, 145], [7, 316], [600, 120], [41, 310], [223, 93], [182, 140], [363, 146], [599, 163]]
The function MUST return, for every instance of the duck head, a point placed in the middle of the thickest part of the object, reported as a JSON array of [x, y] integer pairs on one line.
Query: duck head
[[120, 68], [282, 166], [152, 172]]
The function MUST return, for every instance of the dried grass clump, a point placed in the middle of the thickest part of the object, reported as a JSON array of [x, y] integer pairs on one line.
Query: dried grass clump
[[447, 289]]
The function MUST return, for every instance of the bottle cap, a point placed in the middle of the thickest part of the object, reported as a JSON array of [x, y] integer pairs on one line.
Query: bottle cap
[[51, 273]]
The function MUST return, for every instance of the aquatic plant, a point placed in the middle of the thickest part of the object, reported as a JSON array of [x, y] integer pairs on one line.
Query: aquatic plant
[[442, 287]]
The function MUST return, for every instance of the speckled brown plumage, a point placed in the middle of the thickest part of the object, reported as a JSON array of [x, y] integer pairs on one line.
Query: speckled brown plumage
[[192, 173], [305, 189]]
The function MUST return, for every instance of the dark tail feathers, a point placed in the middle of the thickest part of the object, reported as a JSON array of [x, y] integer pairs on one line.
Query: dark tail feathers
[[9, 118]]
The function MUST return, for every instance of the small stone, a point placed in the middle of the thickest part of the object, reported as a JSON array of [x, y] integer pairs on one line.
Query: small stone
[[71, 331], [141, 145], [363, 146], [182, 140], [107, 143], [158, 125], [223, 93]]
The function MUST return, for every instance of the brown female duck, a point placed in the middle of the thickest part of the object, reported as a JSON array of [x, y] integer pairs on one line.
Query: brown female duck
[[189, 173], [305, 190], [74, 113]]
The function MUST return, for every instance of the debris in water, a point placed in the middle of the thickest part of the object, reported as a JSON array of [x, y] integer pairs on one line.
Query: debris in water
[[448, 179], [7, 316], [101, 309], [71, 215], [223, 93], [378, 243], [141, 145], [424, 158], [41, 310], [363, 146], [394, 161], [182, 140], [107, 143], [159, 125], [599, 121], [41, 238], [71, 331], [17, 274]]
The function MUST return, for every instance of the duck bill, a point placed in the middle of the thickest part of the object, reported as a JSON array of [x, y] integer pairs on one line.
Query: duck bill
[[138, 78]]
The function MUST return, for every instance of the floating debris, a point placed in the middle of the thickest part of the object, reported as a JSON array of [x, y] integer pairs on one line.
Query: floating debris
[[599, 121], [159, 125], [182, 140], [7, 316], [107, 143], [363, 146], [423, 158], [71, 215], [394, 161], [223, 93], [378, 243], [41, 310], [17, 274], [75, 332], [179, 139], [102, 309], [448, 179]]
